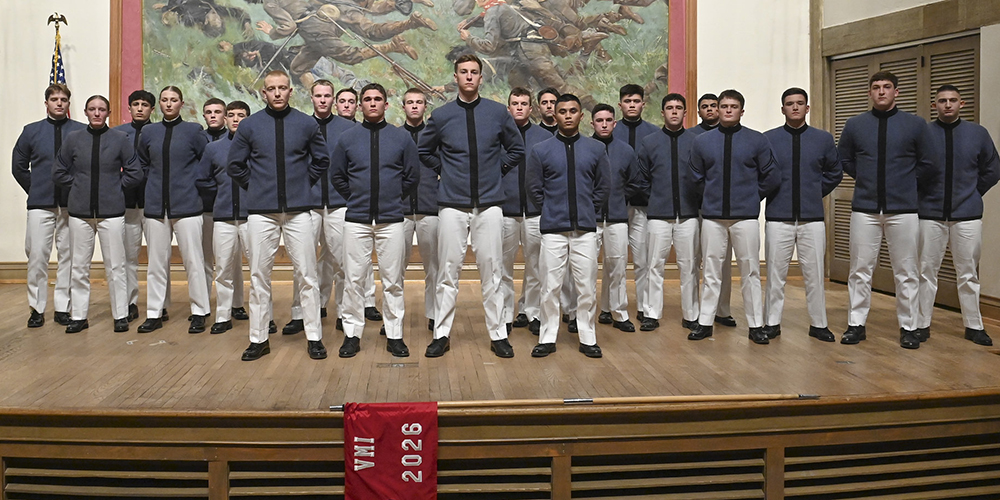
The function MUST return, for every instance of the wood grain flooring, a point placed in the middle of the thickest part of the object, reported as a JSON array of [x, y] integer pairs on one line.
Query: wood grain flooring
[[173, 370]]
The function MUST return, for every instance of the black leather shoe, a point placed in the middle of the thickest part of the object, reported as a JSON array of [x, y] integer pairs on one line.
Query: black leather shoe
[[908, 339], [502, 348], [625, 326], [823, 334], [605, 318], [340, 324], [591, 351], [62, 318], [520, 321], [149, 325], [542, 350], [77, 326], [689, 324], [190, 317], [700, 332], [978, 337], [853, 335], [316, 349], [725, 321], [322, 312], [923, 334], [221, 327], [438, 347], [197, 324], [121, 325], [397, 348], [256, 350], [639, 315], [381, 331], [372, 314], [239, 313], [133, 313], [565, 318], [271, 327], [649, 324], [292, 327], [758, 336], [572, 327], [772, 331], [535, 326], [350, 347], [36, 319], [430, 325], [164, 315]]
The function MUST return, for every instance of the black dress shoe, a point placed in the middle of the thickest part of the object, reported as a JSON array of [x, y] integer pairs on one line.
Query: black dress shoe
[[823, 334], [121, 325], [133, 313], [649, 324], [221, 327], [36, 319], [758, 336], [239, 313], [520, 321], [535, 326], [271, 327], [197, 323], [565, 318], [149, 325], [572, 327], [438, 347], [591, 351], [978, 337], [502, 348], [430, 325], [256, 350], [908, 339], [350, 347], [164, 315], [725, 321], [292, 327], [322, 312], [77, 326], [61, 318], [605, 318], [190, 317], [397, 348], [340, 324], [372, 314], [689, 324], [639, 315], [853, 335], [700, 332], [625, 326], [316, 349], [542, 350], [923, 334], [381, 331], [772, 331]]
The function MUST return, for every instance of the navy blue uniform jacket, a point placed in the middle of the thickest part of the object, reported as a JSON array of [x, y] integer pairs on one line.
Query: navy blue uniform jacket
[[95, 166], [810, 170], [964, 165], [736, 167], [34, 156], [375, 166], [170, 156], [666, 175], [569, 178]]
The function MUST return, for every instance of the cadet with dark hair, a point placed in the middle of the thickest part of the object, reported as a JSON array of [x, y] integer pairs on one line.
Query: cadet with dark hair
[[547, 107]]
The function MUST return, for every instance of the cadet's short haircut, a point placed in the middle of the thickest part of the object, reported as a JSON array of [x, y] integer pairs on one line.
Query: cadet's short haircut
[[238, 105], [464, 58], [214, 100], [519, 92], [602, 107], [376, 87], [141, 95], [321, 83], [278, 72], [57, 87], [630, 89], [884, 76], [99, 97], [794, 91], [732, 94], [171, 88], [947, 88], [673, 96], [414, 90], [568, 98], [547, 90], [708, 97], [349, 90]]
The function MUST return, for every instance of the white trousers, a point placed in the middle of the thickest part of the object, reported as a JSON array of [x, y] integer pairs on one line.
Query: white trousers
[[43, 226], [207, 242], [613, 237], [427, 241], [567, 296], [409, 228], [902, 234], [316, 223], [485, 229], [683, 235], [389, 243], [745, 237], [230, 241], [809, 240], [134, 223], [188, 232], [966, 240], [574, 253], [111, 232], [265, 232], [726, 288], [333, 256], [521, 232], [640, 261]]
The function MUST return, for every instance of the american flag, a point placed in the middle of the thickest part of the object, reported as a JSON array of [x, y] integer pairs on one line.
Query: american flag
[[58, 72]]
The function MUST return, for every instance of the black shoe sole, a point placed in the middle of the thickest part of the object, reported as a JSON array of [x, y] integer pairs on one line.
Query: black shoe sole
[[265, 352]]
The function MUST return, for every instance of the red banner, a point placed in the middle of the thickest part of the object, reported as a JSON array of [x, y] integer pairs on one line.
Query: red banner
[[390, 451]]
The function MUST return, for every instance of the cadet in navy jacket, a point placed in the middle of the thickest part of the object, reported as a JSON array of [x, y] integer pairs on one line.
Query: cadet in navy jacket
[[94, 166], [885, 150], [736, 167], [810, 169], [964, 167], [424, 204], [32, 160]]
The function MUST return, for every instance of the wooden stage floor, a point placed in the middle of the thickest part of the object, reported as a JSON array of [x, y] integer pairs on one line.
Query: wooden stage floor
[[170, 369]]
